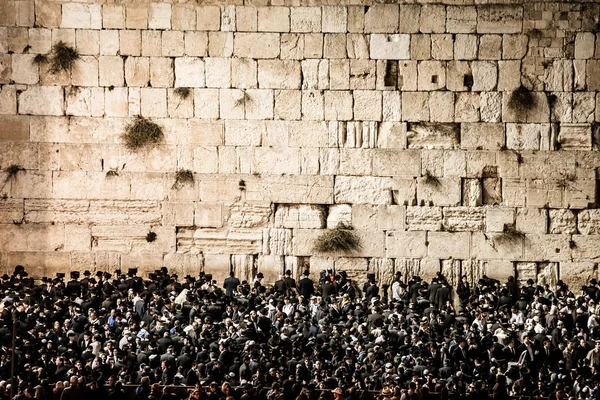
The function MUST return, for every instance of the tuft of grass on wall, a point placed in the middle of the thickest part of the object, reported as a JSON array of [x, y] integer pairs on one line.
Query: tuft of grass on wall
[[183, 177], [150, 237], [13, 170], [63, 57], [183, 92], [430, 179], [142, 133], [340, 239], [522, 99], [40, 59]]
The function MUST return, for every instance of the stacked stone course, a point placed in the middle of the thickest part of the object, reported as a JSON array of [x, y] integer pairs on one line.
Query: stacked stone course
[[394, 118]]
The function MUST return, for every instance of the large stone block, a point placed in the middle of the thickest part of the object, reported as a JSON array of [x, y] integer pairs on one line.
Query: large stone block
[[575, 136], [449, 244], [588, 222], [42, 100], [467, 219], [382, 217], [382, 19], [499, 19], [189, 72], [444, 191], [423, 218], [461, 19], [547, 247], [562, 221], [357, 189], [495, 246], [406, 244], [391, 162], [532, 220], [432, 136], [279, 74], [300, 216], [256, 45], [390, 47], [82, 16]]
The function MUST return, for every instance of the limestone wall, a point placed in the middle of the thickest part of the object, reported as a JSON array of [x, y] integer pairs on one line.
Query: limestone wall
[[395, 118]]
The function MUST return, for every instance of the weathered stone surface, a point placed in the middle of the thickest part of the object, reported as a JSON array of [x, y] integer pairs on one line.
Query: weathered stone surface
[[390, 47], [575, 137], [423, 218], [532, 220], [482, 136], [467, 219], [499, 19], [277, 241], [562, 221], [300, 216], [406, 244], [444, 191], [432, 136], [339, 214], [448, 244], [547, 247], [220, 241], [588, 222], [356, 189], [248, 215]]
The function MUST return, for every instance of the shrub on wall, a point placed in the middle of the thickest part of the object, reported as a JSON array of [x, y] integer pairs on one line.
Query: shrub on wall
[[63, 57], [342, 238], [142, 133]]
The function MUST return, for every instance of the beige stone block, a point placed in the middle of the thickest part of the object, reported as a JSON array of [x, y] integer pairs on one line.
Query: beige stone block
[[461, 19], [24, 70], [339, 74], [130, 43], [463, 219], [300, 217], [406, 163], [449, 244], [154, 102], [82, 16], [228, 18], [189, 72], [312, 105], [499, 18], [335, 19], [442, 47], [357, 190], [305, 19], [218, 72], [490, 47], [88, 42], [584, 105], [355, 162], [14, 128], [178, 106], [315, 74], [357, 46], [588, 222], [313, 45], [455, 163], [279, 74], [562, 221], [256, 45], [220, 44], [441, 106], [445, 193], [206, 103], [47, 15], [433, 18], [116, 102], [390, 47], [382, 19], [467, 107], [137, 16], [247, 18], [493, 247], [208, 215], [420, 47], [363, 74], [547, 247], [497, 218], [367, 105], [86, 102], [406, 244], [288, 104], [465, 47], [584, 45], [485, 76], [491, 106], [432, 75], [273, 19], [260, 105], [111, 71], [335, 46], [292, 46], [391, 106], [532, 220], [173, 44], [18, 38], [356, 19], [232, 103], [151, 43], [137, 71], [40, 40], [161, 72], [8, 100], [183, 17], [407, 75], [159, 16], [514, 46], [415, 106], [109, 42], [477, 136], [42, 100], [208, 18], [457, 75], [195, 43], [432, 136], [113, 16], [575, 137], [338, 105]]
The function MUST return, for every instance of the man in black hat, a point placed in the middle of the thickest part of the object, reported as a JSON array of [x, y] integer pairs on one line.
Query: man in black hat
[[290, 283], [306, 286], [231, 284]]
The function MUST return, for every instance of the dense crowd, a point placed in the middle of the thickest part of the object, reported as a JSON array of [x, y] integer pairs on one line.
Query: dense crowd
[[329, 338]]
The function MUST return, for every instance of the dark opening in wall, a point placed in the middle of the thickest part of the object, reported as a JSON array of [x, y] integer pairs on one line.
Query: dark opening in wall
[[434, 79], [468, 81], [391, 73]]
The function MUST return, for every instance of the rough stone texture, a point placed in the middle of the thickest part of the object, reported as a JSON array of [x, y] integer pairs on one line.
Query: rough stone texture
[[395, 118]]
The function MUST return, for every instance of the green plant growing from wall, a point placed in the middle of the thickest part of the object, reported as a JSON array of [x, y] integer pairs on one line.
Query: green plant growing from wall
[[522, 99], [510, 235], [150, 237], [63, 57], [13, 170], [183, 177], [40, 59], [183, 92], [430, 179], [142, 133], [342, 238]]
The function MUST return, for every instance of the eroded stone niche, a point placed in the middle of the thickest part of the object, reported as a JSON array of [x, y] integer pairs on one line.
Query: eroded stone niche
[[398, 119]]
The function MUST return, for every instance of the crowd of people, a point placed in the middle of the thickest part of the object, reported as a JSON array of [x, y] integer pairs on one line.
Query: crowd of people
[[91, 337]]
